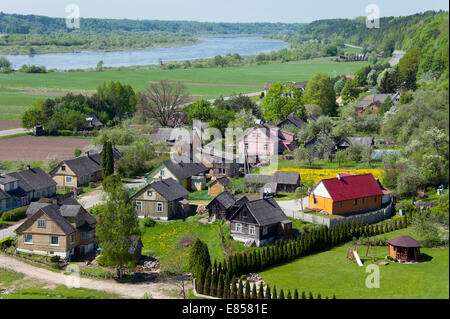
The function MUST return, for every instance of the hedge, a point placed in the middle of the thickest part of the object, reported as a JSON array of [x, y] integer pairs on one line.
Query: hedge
[[6, 242], [14, 215]]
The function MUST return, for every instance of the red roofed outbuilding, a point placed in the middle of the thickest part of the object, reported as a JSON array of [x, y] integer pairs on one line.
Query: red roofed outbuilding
[[347, 193]]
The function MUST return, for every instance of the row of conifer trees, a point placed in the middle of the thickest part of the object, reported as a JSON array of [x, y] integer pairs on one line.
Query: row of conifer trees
[[212, 279]]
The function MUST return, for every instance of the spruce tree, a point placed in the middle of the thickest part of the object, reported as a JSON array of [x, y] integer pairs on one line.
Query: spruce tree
[[233, 288], [103, 161], [247, 290], [207, 282], [254, 293], [261, 291], [274, 293], [240, 290], [268, 293]]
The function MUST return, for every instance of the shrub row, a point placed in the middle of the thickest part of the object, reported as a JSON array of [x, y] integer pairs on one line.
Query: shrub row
[[14, 215]]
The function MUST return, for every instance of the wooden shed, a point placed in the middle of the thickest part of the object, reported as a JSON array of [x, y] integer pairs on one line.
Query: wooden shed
[[404, 248]]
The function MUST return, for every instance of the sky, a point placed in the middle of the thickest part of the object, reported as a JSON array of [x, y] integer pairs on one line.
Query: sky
[[288, 11]]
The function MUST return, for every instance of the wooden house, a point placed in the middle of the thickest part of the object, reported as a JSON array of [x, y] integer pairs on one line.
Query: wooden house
[[63, 228], [221, 206], [219, 185], [292, 120], [81, 170], [259, 222], [189, 174], [404, 249], [347, 193], [163, 199], [20, 188]]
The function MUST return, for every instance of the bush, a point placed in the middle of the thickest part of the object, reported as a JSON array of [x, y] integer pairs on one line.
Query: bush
[[55, 259], [6, 242], [15, 214], [149, 222]]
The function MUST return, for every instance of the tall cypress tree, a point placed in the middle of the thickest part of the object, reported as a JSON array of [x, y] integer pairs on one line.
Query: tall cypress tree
[[274, 293], [296, 294], [220, 286], [303, 295], [289, 296], [233, 288], [207, 282], [268, 293], [261, 291], [240, 290], [247, 290], [103, 162], [281, 294], [254, 293]]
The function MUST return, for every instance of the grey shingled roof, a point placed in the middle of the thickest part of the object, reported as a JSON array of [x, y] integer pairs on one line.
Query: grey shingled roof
[[294, 120], [365, 141], [33, 179], [4, 195], [69, 210], [34, 207], [169, 189], [53, 212], [222, 180], [290, 178], [266, 212], [257, 179], [225, 199], [182, 167], [89, 164], [5, 179]]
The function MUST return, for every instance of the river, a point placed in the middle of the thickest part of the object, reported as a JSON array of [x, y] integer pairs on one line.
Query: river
[[208, 48]]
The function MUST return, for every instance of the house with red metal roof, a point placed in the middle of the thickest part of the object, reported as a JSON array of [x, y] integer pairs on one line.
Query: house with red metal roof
[[348, 193]]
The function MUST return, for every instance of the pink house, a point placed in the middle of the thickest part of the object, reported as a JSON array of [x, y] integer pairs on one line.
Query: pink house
[[266, 140]]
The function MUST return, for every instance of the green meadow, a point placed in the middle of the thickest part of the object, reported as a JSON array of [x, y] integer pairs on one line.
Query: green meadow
[[330, 272], [206, 83]]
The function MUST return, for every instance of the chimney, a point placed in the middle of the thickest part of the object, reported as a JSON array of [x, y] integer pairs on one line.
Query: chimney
[[87, 153], [28, 167], [160, 178], [339, 177]]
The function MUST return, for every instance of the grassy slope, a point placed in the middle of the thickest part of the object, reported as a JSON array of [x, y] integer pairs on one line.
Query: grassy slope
[[27, 289], [13, 103], [330, 272]]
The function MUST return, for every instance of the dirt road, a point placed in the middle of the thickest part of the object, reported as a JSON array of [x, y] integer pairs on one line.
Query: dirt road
[[156, 289]]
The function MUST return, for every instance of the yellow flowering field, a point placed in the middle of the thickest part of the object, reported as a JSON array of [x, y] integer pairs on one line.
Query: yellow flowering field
[[317, 175]]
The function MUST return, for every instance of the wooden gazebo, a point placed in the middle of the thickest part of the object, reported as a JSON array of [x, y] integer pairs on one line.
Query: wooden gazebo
[[404, 248]]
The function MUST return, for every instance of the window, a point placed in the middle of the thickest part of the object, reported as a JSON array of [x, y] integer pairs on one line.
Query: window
[[28, 239], [83, 235], [252, 230], [238, 228], [149, 193], [355, 202], [265, 230], [81, 179], [68, 179], [246, 146], [159, 207], [139, 206], [41, 223], [315, 200], [362, 200], [72, 238], [340, 204], [375, 199], [63, 168], [54, 240], [162, 172], [265, 147]]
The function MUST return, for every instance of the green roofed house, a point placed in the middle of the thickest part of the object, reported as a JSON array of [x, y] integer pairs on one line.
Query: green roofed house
[[189, 174], [162, 199]]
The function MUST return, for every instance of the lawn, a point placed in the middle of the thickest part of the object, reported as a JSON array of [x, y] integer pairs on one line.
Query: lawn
[[163, 238], [20, 288], [331, 273], [217, 81]]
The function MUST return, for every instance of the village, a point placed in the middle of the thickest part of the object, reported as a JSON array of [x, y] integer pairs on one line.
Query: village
[[293, 189]]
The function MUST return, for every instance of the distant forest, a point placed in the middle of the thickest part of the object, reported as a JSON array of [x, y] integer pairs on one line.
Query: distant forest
[[28, 24], [31, 34]]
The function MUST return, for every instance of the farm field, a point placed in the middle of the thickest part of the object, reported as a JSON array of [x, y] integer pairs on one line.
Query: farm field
[[33, 148], [19, 90], [331, 273], [19, 286]]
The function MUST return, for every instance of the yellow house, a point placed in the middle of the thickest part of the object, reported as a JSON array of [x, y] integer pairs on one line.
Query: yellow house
[[347, 193], [164, 199], [80, 171], [63, 228]]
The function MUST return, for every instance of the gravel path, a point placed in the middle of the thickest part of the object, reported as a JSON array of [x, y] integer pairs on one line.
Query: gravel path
[[127, 290]]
